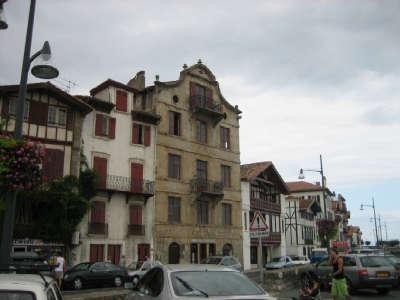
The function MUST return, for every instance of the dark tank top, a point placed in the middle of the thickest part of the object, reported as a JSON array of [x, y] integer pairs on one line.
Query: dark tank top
[[335, 269]]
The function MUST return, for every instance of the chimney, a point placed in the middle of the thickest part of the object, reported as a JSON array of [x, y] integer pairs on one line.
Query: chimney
[[139, 81]]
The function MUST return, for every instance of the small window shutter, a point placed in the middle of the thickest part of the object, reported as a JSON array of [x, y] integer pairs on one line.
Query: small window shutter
[[171, 122], [192, 89], [135, 215], [111, 128], [135, 134], [99, 125], [100, 166], [98, 212], [38, 113], [53, 164], [228, 138], [209, 99], [122, 101], [147, 137], [4, 108]]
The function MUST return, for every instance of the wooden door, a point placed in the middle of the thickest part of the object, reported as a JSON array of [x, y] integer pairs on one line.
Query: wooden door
[[143, 251], [96, 253], [137, 177], [114, 253]]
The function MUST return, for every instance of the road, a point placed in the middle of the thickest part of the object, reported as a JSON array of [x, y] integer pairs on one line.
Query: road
[[360, 295]]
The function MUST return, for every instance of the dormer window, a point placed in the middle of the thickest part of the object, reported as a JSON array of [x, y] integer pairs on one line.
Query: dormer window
[[121, 102]]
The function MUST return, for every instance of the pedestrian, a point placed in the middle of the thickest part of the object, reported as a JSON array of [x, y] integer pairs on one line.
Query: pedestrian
[[59, 269], [339, 284]]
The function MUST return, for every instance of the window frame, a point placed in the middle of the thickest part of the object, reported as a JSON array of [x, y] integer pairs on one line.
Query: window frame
[[57, 115], [225, 138], [174, 125], [227, 218], [201, 169], [174, 210], [202, 212], [201, 131], [226, 172], [174, 166], [12, 102]]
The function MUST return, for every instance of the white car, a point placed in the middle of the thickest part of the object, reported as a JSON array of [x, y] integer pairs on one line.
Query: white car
[[300, 260], [28, 287]]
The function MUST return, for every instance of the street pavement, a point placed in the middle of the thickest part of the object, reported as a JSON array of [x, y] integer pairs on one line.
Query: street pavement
[[360, 295]]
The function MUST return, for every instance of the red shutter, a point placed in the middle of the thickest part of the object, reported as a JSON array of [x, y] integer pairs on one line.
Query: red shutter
[[4, 107], [192, 89], [99, 125], [100, 166], [147, 135], [38, 113], [122, 101], [96, 253], [135, 212], [98, 212], [135, 133], [143, 252], [114, 253], [111, 128], [137, 177], [209, 98], [53, 164]]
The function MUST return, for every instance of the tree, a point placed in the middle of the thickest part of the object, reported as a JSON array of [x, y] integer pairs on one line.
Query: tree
[[327, 231]]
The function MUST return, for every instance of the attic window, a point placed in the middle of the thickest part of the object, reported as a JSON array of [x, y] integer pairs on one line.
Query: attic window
[[175, 99]]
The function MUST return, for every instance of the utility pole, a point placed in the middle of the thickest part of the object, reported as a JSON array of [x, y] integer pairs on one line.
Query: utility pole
[[380, 229], [375, 223]]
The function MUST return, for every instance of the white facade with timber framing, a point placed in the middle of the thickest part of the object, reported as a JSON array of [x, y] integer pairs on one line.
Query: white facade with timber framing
[[119, 143], [263, 190], [52, 117]]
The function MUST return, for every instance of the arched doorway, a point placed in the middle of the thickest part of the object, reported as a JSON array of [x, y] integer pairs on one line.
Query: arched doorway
[[173, 253], [227, 250]]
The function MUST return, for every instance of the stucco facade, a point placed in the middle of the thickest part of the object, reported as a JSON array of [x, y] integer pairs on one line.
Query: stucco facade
[[185, 240]]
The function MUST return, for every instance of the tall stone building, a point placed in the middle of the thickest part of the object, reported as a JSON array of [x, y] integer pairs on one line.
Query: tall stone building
[[198, 203]]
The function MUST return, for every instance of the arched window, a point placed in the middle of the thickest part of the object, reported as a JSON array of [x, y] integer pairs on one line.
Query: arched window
[[227, 250], [174, 253]]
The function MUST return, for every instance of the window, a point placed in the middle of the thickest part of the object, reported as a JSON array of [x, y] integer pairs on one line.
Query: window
[[174, 253], [245, 220], [174, 166], [57, 116], [121, 101], [253, 255], [96, 253], [226, 214], [135, 215], [226, 175], [105, 126], [19, 295], [12, 108], [174, 209], [201, 131], [53, 164], [225, 138], [141, 134], [202, 212], [201, 169], [100, 166], [174, 123]]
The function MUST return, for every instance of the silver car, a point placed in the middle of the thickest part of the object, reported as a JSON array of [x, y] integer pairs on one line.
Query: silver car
[[196, 281], [280, 263], [362, 272], [136, 274], [227, 261]]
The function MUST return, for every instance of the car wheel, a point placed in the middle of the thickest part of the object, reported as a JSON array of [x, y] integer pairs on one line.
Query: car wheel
[[77, 283], [383, 291], [135, 280], [118, 281]]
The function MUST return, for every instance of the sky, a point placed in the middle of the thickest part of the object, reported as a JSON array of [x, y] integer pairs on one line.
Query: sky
[[311, 77]]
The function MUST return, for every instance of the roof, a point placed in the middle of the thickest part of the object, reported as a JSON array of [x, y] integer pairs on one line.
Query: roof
[[51, 88], [249, 172], [303, 186], [305, 203], [111, 82], [197, 267]]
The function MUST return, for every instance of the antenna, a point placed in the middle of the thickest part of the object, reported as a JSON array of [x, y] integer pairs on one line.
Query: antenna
[[66, 83]]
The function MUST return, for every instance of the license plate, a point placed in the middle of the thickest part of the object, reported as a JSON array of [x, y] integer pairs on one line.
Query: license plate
[[382, 274]]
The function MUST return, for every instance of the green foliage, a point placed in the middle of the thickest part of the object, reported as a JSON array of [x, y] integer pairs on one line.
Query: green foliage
[[327, 230], [87, 183]]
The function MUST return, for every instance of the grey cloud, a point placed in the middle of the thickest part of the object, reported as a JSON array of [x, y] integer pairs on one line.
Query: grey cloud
[[382, 115]]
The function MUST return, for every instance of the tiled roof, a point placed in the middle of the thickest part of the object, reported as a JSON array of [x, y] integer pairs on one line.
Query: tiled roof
[[302, 186], [251, 171], [111, 82]]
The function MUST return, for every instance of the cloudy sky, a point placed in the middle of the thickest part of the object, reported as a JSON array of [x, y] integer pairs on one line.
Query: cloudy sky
[[310, 76]]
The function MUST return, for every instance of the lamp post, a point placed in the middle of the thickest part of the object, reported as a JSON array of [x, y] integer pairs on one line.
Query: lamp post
[[376, 226], [321, 171], [43, 71]]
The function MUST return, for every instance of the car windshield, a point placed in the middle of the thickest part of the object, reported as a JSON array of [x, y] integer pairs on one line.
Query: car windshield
[[319, 253], [392, 259], [81, 267], [213, 260], [295, 257], [213, 283], [374, 261], [278, 259], [16, 295], [133, 266]]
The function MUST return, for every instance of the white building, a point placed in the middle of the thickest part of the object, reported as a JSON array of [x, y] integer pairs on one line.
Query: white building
[[119, 143], [262, 190]]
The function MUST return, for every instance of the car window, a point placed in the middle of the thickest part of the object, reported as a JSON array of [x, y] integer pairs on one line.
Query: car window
[[152, 283], [349, 261], [374, 261], [110, 267], [225, 261], [16, 295], [213, 283], [324, 263], [98, 266], [287, 259], [213, 260], [81, 267], [146, 266]]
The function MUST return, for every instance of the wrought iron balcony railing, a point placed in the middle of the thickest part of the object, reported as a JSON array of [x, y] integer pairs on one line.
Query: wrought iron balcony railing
[[207, 186], [203, 102], [261, 204], [135, 229], [97, 228], [126, 184]]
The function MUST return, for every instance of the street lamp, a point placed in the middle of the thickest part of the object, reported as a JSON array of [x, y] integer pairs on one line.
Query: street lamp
[[3, 23], [321, 171], [43, 71], [376, 226]]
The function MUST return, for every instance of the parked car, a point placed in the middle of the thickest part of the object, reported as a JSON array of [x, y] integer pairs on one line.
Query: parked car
[[95, 274], [300, 260], [136, 274], [28, 287], [227, 261], [395, 262], [280, 263], [170, 282], [28, 262], [362, 272], [318, 255]]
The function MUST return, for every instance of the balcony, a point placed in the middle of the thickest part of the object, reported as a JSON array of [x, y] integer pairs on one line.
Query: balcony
[[135, 229], [265, 205], [308, 241], [208, 188], [130, 186], [97, 228], [206, 106]]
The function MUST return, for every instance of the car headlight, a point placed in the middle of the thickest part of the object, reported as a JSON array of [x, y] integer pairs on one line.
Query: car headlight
[[131, 274]]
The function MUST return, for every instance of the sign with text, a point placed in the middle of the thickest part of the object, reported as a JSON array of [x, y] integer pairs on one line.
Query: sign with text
[[258, 226]]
